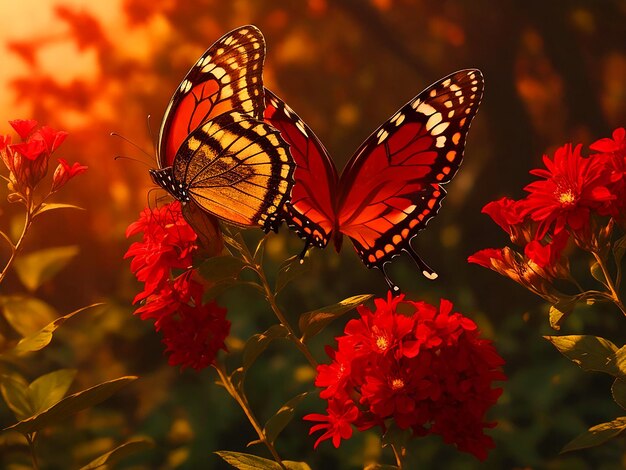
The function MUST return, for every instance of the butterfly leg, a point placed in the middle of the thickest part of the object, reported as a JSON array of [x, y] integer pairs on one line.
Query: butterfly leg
[[427, 271]]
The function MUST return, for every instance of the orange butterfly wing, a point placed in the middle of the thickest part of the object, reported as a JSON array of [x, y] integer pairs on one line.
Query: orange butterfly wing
[[227, 77]]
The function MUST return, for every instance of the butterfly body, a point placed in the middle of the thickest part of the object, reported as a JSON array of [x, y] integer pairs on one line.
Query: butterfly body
[[214, 149], [392, 186]]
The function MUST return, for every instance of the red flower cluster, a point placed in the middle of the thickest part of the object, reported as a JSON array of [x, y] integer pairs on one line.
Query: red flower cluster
[[567, 202], [27, 161], [428, 371], [193, 332]]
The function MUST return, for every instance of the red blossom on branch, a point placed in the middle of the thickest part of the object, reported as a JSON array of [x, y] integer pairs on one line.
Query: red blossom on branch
[[417, 370], [571, 187], [64, 172], [193, 331]]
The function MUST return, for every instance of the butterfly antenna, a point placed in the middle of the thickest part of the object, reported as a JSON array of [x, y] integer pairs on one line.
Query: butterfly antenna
[[154, 142], [115, 134], [124, 157], [427, 271]]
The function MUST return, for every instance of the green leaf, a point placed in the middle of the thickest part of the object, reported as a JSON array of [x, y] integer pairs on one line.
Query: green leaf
[[619, 248], [114, 456], [596, 272], [618, 361], [260, 250], [281, 419], [46, 207], [288, 271], [618, 391], [40, 339], [311, 323], [597, 435], [221, 268], [49, 389], [591, 353], [38, 267], [291, 465], [70, 405], [26, 314], [15, 393], [259, 343], [247, 461]]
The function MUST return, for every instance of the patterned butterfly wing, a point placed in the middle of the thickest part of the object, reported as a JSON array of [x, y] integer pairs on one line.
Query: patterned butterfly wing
[[310, 213], [391, 188], [237, 168], [227, 77]]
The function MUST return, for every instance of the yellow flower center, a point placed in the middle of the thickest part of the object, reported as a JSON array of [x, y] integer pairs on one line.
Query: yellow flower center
[[567, 198], [382, 343], [397, 384]]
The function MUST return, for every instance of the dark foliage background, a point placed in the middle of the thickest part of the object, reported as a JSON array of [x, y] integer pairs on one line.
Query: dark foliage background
[[555, 72]]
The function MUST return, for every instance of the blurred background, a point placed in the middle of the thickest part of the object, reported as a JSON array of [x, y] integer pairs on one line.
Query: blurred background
[[555, 72]]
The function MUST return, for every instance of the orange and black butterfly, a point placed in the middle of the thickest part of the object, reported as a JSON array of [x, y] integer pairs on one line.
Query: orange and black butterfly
[[392, 186], [214, 150]]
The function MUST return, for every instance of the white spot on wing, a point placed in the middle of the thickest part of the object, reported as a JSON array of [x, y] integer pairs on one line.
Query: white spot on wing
[[433, 121], [441, 141], [382, 135], [426, 109]]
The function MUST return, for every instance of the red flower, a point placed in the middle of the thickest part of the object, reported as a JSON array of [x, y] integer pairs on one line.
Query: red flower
[[337, 423], [615, 146], [195, 334], [573, 186], [64, 172], [413, 369], [613, 156], [27, 161], [167, 243]]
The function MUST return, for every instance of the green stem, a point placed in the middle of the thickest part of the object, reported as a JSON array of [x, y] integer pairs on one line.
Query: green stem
[[271, 298], [31, 445], [243, 403], [398, 456], [16, 248], [609, 283]]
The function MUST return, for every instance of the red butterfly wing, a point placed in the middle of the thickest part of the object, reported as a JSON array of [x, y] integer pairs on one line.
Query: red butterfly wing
[[311, 212], [227, 77], [391, 188]]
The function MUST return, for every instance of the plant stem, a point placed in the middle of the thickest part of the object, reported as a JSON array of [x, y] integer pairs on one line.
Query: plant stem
[[15, 248], [609, 283], [243, 403], [31, 445], [271, 298], [397, 455]]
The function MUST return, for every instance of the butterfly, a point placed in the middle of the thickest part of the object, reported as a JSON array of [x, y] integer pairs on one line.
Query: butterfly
[[214, 151], [392, 186]]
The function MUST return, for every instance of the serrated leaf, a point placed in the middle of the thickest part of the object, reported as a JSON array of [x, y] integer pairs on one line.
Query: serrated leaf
[[259, 343], [70, 405], [591, 353], [49, 389], [247, 461], [47, 207], [618, 391], [278, 422], [26, 315], [288, 271], [15, 393], [596, 272], [41, 338], [221, 268], [311, 323], [114, 456], [40, 266], [596, 435]]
